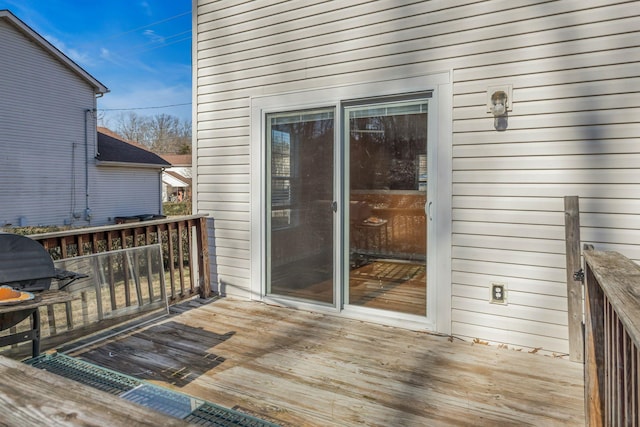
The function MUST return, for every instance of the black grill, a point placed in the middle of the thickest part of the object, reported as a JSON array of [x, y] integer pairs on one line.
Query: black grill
[[25, 265]]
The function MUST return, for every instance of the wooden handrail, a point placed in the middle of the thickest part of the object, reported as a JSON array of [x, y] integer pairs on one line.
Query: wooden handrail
[[175, 231], [183, 243], [612, 339]]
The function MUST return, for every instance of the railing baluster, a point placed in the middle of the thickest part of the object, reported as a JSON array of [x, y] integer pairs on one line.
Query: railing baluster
[[171, 256], [619, 397], [66, 244], [181, 256], [628, 378], [192, 281], [615, 278], [636, 417], [125, 269], [147, 241], [608, 353]]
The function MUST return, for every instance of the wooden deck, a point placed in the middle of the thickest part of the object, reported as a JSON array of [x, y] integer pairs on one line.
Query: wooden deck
[[299, 368], [32, 397]]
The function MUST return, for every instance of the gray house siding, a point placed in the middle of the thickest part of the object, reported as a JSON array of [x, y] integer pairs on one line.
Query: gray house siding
[[48, 140], [574, 130], [43, 107]]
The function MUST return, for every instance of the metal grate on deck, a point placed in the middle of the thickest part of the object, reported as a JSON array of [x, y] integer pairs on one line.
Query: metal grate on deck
[[158, 398]]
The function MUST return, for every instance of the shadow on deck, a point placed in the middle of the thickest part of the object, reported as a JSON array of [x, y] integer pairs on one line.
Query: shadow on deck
[[169, 352], [299, 368]]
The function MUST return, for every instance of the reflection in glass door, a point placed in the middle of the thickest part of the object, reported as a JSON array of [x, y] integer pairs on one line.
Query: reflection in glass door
[[300, 217], [387, 196]]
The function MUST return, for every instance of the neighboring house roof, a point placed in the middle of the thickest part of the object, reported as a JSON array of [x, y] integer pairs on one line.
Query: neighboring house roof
[[178, 159], [175, 179], [99, 88], [115, 151]]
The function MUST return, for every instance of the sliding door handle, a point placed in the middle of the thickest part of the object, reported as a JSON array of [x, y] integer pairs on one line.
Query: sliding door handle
[[334, 206], [428, 210]]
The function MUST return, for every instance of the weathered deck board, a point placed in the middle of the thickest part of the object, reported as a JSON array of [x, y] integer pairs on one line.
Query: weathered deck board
[[301, 368], [32, 397]]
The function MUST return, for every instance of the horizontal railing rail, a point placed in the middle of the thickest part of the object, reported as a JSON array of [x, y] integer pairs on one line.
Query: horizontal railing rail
[[183, 245], [612, 338]]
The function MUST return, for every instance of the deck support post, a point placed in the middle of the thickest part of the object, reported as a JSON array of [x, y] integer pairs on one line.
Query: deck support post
[[574, 284], [203, 259]]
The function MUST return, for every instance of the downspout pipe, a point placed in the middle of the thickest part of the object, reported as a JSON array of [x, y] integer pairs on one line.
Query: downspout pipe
[[87, 209]]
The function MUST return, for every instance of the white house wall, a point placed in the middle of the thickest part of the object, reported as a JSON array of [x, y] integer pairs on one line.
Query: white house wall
[[574, 66], [42, 135], [127, 192]]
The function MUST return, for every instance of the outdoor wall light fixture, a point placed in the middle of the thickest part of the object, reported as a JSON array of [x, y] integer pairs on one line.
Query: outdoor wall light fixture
[[499, 103]]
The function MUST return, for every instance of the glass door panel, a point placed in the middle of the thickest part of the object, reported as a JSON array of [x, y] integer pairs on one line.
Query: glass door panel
[[300, 221], [387, 194]]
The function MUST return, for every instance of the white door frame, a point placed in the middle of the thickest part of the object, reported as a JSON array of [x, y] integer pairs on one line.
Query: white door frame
[[439, 241]]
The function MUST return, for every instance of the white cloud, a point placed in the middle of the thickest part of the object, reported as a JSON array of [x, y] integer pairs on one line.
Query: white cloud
[[81, 58], [147, 8], [151, 35], [111, 57]]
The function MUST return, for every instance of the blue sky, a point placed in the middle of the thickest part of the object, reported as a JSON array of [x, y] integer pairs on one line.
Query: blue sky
[[140, 50]]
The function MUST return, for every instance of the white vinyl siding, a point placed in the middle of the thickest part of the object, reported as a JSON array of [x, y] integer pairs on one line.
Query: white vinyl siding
[[126, 192], [574, 129], [570, 133]]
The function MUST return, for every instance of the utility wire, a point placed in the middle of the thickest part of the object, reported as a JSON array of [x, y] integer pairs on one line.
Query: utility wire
[[143, 108], [156, 42], [148, 25], [137, 52]]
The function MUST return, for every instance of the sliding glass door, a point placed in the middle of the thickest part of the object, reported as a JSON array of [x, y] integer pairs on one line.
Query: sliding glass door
[[375, 242], [387, 195], [300, 194]]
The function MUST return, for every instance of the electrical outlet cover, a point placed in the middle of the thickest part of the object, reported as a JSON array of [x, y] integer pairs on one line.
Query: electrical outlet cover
[[498, 293]]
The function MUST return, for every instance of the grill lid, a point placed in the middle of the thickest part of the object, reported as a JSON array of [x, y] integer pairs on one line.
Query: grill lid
[[24, 263]]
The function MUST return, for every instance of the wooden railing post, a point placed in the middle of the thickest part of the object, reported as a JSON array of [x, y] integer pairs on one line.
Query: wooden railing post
[[203, 259], [574, 285], [594, 351]]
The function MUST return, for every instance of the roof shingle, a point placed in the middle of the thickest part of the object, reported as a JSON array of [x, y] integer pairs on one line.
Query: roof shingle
[[112, 148]]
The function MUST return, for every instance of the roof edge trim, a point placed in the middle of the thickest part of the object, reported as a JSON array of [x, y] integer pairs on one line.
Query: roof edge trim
[[46, 45]]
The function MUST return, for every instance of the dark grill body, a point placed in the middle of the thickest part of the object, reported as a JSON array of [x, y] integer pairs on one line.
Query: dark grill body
[[25, 265]]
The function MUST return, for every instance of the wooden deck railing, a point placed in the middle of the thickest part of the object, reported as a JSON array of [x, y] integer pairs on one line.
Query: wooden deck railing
[[185, 261], [612, 339], [175, 234]]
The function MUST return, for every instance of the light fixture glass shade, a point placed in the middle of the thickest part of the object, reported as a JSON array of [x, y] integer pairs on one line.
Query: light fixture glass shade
[[498, 109], [498, 103]]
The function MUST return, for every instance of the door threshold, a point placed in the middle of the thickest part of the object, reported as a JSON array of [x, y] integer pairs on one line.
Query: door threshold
[[389, 318]]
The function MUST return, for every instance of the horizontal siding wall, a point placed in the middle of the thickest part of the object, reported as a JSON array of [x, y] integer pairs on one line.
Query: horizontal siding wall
[[573, 131], [42, 135], [574, 67], [125, 191]]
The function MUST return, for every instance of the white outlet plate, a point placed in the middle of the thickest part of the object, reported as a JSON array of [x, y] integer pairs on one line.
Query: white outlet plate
[[498, 293]]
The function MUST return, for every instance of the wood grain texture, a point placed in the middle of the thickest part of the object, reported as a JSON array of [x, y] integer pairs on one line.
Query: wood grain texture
[[312, 369], [574, 287], [32, 397], [619, 277]]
